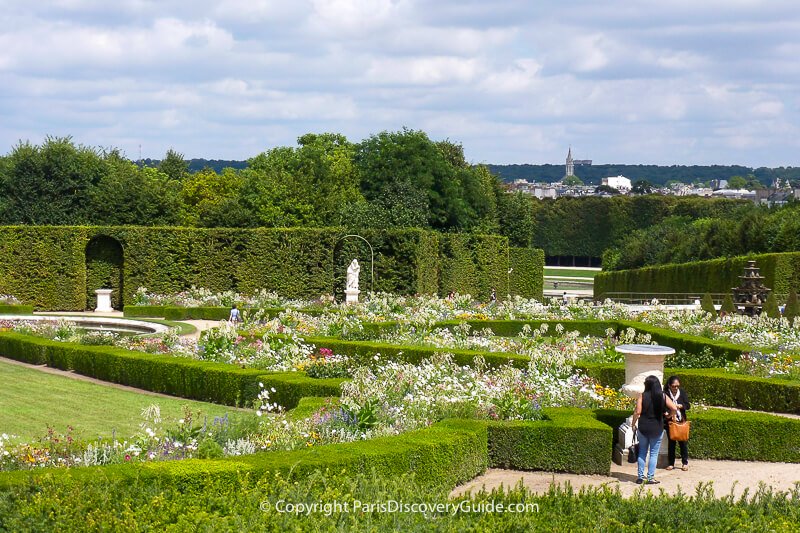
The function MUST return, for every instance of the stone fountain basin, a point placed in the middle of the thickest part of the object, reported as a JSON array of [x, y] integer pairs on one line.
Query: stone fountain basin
[[115, 325]]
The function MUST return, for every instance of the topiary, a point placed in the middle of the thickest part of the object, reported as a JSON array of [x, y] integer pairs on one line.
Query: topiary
[[771, 306], [727, 305], [792, 308], [707, 304]]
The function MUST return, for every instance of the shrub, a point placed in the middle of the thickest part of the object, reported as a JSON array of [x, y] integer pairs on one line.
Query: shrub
[[771, 306], [792, 309], [707, 304], [727, 305]]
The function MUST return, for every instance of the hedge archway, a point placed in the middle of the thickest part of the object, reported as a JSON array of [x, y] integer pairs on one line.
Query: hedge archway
[[104, 270]]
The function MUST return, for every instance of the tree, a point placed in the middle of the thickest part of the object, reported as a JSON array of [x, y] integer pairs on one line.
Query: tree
[[517, 222], [707, 304], [642, 187], [456, 195], [135, 196], [571, 181], [737, 182], [174, 166], [51, 183], [213, 200]]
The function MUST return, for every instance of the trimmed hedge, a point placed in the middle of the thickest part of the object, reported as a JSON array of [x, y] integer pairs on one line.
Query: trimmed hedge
[[527, 278], [16, 309], [687, 343], [197, 380], [732, 435], [716, 386], [363, 350], [568, 440], [443, 455], [782, 273], [58, 268], [474, 264]]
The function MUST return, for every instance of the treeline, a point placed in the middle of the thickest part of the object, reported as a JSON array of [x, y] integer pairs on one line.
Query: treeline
[[657, 175], [749, 229], [392, 179]]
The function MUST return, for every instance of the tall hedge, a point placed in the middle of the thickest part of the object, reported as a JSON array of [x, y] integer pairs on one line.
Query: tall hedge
[[782, 273], [473, 264], [58, 268], [44, 266], [527, 278]]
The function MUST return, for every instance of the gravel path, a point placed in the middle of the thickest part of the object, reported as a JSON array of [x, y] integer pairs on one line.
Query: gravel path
[[726, 477]]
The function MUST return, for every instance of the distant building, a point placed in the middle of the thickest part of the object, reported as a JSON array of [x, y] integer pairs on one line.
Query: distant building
[[570, 170], [621, 183], [776, 198], [583, 162], [719, 184], [735, 194]]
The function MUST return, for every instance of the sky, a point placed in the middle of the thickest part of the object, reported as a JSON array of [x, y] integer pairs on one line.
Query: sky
[[619, 81]]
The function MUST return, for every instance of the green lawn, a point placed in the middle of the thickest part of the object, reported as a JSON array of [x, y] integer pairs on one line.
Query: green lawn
[[570, 272], [31, 399]]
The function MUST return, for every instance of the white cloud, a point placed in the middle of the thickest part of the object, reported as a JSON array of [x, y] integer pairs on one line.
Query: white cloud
[[514, 81]]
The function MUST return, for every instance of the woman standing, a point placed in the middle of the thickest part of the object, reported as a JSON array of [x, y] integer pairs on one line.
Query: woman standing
[[678, 396], [649, 415]]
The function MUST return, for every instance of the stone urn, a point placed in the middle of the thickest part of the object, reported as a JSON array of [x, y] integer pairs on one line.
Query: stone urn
[[642, 360]]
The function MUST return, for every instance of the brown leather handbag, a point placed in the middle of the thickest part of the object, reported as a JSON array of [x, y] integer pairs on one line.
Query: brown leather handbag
[[679, 431]]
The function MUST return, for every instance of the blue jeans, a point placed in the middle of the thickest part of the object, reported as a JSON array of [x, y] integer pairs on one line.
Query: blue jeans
[[654, 445]]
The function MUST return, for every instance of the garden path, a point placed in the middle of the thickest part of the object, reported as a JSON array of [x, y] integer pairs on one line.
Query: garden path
[[200, 325], [726, 477]]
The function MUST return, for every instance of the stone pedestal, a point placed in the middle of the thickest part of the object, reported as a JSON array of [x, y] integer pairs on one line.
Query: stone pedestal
[[641, 360], [103, 301], [351, 296]]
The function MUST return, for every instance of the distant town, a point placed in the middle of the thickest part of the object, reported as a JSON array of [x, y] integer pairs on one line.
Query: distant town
[[777, 193]]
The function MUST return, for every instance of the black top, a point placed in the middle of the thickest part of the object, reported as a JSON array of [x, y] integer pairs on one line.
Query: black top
[[651, 421], [682, 399]]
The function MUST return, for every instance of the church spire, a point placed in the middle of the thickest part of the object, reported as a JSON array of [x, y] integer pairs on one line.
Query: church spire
[[570, 170]]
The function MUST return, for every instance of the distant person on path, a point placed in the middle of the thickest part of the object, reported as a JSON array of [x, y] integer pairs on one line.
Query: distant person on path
[[678, 396], [493, 296], [451, 295], [649, 415], [564, 298], [234, 316]]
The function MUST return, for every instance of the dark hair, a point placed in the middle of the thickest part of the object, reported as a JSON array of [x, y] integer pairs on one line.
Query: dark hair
[[653, 394], [670, 381], [651, 383]]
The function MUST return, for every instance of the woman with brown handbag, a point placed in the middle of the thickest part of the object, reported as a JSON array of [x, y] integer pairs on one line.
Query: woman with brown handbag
[[648, 421], [678, 396]]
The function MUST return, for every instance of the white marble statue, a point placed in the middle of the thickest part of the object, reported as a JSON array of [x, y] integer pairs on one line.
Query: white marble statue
[[352, 275]]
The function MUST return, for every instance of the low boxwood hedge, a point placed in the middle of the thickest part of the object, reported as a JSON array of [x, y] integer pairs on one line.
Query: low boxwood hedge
[[363, 350], [172, 312], [444, 455], [732, 435], [568, 440], [16, 309], [187, 378], [716, 386]]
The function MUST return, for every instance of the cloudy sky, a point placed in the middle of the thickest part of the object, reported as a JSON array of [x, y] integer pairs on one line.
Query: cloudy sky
[[621, 81]]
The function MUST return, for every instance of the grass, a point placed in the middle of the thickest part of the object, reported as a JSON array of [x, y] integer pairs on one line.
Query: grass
[[31, 399], [569, 272]]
